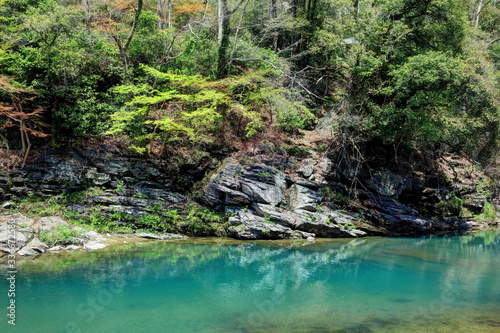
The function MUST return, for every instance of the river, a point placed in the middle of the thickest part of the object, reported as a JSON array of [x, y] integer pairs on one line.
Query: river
[[432, 284]]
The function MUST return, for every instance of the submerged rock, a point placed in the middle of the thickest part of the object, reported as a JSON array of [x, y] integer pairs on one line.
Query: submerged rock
[[149, 235], [94, 245]]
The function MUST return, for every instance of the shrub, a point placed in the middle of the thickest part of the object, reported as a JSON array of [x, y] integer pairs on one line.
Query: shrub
[[60, 235]]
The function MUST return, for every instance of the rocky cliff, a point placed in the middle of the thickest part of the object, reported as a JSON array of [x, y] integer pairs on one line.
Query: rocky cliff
[[265, 193]]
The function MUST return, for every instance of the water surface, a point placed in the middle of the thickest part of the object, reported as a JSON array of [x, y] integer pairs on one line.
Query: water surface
[[438, 284]]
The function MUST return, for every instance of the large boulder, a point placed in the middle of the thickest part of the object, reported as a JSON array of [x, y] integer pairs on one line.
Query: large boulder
[[11, 242], [283, 217], [303, 198], [246, 225], [239, 185], [397, 218], [322, 226], [33, 248], [389, 184]]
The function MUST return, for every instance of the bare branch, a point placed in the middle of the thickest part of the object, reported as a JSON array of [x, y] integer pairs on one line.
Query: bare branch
[[282, 72]]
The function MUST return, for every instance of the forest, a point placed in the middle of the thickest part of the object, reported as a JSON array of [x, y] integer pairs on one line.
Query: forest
[[163, 74]]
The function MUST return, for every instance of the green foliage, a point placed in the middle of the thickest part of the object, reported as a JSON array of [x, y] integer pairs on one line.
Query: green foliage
[[411, 71], [299, 152], [69, 66], [452, 207], [60, 235], [291, 113], [153, 222], [34, 206], [489, 212], [203, 222], [421, 93], [183, 107], [395, 70], [330, 195]]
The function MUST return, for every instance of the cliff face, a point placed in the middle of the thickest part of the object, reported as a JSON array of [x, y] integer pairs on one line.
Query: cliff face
[[266, 193]]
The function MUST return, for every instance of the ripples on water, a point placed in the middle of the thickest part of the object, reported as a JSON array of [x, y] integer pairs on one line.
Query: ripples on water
[[439, 284]]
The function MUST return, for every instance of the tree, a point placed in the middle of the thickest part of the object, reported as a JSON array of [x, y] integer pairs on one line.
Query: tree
[[112, 14], [29, 123]]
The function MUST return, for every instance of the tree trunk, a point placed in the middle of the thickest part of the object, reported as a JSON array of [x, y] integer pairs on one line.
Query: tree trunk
[[169, 13], [88, 4], [162, 14], [223, 39], [356, 8], [274, 15], [476, 12]]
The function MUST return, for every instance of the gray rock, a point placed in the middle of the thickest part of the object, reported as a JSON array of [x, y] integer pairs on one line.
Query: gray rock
[[246, 225], [322, 226], [89, 235], [159, 194], [67, 172], [410, 222], [216, 194], [94, 245], [244, 216], [50, 223], [469, 225], [474, 202], [286, 218], [21, 222], [55, 248], [143, 171], [436, 194], [7, 205], [130, 210], [19, 189], [240, 185], [32, 248], [358, 233], [263, 230], [306, 170], [307, 183], [12, 242], [392, 207], [101, 179], [149, 235], [341, 218], [319, 228], [388, 184], [77, 208], [325, 165], [116, 166], [262, 192], [301, 197], [72, 247]]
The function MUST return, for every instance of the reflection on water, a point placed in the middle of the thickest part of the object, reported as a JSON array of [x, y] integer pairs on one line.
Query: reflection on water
[[438, 284]]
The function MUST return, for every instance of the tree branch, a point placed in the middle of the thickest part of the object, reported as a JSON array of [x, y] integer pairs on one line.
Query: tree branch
[[282, 72]]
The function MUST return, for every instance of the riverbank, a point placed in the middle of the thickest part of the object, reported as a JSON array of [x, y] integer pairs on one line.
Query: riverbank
[[267, 191]]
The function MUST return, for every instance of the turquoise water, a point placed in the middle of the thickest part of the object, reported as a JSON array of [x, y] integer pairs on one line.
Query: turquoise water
[[449, 284]]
